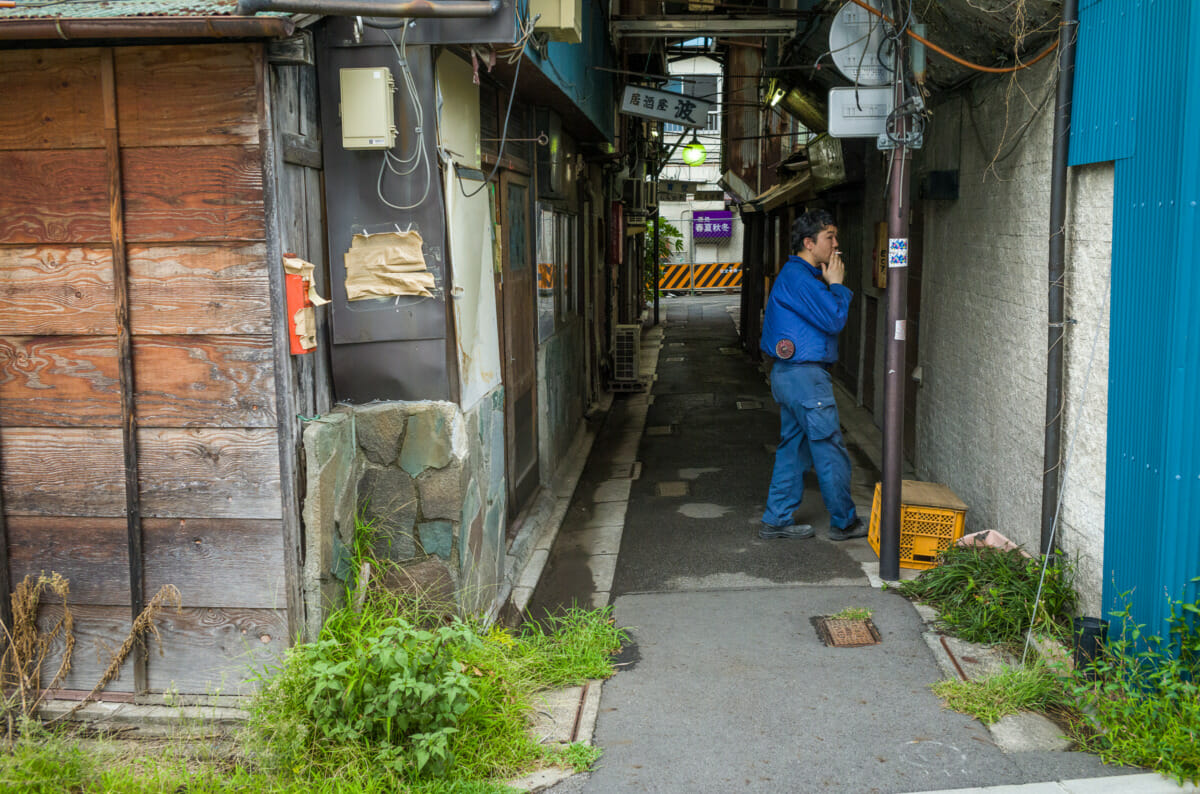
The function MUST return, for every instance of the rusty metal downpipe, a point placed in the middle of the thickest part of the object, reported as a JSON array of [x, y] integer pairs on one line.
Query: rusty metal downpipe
[[374, 8]]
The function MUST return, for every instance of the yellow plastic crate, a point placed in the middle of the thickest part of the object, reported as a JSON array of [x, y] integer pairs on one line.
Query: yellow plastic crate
[[931, 518]]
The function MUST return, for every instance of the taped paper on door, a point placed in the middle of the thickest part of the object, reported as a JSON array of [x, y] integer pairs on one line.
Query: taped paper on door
[[298, 267], [383, 265], [304, 318]]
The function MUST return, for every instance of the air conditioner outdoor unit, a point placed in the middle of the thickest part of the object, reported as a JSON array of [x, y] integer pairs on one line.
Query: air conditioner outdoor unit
[[627, 350]]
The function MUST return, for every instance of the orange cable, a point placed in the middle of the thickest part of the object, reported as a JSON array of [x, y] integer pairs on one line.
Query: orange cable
[[955, 58]]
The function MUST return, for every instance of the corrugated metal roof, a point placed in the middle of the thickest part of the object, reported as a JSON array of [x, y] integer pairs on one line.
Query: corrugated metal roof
[[110, 9]]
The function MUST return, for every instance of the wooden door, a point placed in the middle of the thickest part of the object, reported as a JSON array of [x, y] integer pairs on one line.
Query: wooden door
[[518, 320]]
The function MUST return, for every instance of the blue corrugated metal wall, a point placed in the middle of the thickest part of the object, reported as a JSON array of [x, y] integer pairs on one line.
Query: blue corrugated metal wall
[[572, 68], [1102, 120], [1137, 101]]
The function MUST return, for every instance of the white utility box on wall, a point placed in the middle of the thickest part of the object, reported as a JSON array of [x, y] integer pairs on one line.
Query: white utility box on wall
[[368, 121], [561, 20]]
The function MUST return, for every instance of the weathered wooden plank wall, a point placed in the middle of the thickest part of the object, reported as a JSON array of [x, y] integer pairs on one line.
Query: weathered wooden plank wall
[[203, 355]]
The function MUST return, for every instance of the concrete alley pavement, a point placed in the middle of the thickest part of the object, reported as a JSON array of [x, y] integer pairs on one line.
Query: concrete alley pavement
[[726, 685]]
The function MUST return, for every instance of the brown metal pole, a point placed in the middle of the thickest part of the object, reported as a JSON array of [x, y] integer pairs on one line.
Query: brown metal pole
[[116, 215], [897, 332]]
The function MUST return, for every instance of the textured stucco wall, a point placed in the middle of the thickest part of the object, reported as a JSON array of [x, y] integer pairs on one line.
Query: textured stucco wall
[[981, 408], [429, 478], [1085, 436]]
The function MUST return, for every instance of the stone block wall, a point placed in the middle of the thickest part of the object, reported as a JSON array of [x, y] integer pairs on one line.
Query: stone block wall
[[429, 478]]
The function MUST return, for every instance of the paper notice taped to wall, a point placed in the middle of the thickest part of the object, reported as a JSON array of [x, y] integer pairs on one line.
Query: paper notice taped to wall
[[305, 318], [383, 265]]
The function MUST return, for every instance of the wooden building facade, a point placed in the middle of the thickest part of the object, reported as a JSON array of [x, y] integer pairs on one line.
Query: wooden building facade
[[148, 400]]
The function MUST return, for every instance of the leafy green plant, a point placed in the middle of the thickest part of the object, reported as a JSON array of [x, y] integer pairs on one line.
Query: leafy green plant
[[1034, 687], [852, 613], [1142, 695], [396, 693], [670, 241], [987, 595], [400, 691]]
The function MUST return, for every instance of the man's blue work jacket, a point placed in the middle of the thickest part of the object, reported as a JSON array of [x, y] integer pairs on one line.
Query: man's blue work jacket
[[805, 310]]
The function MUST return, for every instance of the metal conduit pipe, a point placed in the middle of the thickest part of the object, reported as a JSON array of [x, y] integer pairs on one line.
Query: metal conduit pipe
[[1052, 455], [374, 8]]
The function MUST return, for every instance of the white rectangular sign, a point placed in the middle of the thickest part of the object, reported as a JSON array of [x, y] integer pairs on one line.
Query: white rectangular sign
[[665, 106], [860, 112]]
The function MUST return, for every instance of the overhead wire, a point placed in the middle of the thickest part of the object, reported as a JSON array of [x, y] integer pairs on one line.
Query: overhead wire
[[512, 94], [961, 61]]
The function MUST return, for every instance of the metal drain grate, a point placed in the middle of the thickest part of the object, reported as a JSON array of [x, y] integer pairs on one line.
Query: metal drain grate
[[846, 633]]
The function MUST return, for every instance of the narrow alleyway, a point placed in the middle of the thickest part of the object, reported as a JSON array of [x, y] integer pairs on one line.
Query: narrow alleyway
[[726, 685]]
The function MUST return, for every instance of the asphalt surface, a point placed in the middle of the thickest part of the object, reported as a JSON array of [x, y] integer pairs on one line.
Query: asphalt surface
[[726, 685]]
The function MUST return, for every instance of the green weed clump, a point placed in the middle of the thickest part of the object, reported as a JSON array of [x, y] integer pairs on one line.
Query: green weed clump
[[987, 595], [1141, 696], [397, 691], [1136, 704], [1034, 687]]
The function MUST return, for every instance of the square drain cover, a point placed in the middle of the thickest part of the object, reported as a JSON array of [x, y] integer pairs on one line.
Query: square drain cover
[[846, 633], [671, 488], [748, 405]]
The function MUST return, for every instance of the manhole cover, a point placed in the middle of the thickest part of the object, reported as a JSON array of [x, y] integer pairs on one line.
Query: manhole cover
[[672, 488], [846, 633]]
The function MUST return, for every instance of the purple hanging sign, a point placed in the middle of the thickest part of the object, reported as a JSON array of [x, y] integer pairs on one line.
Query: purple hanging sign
[[712, 224]]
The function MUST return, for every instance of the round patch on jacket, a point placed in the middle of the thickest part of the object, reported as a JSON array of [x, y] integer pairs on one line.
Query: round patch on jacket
[[784, 349]]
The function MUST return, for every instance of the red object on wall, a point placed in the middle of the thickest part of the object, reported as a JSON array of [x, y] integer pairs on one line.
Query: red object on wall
[[297, 299], [616, 234]]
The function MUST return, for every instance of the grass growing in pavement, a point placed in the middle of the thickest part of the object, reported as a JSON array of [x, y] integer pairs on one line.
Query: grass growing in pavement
[[472, 709], [1137, 704], [986, 595], [852, 613], [1034, 687], [396, 695]]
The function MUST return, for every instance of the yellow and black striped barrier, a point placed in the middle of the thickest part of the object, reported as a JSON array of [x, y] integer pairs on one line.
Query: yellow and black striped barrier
[[545, 275], [709, 275]]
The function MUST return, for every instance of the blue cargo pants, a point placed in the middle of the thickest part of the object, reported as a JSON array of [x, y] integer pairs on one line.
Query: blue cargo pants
[[810, 434]]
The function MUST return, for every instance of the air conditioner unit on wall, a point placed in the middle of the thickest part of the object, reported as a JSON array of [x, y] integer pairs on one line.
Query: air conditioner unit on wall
[[561, 20], [627, 353]]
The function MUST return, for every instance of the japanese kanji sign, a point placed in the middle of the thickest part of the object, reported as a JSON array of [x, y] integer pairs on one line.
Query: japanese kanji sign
[[712, 224], [665, 106]]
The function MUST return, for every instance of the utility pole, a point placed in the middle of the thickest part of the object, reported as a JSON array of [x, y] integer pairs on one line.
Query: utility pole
[[658, 167], [897, 329]]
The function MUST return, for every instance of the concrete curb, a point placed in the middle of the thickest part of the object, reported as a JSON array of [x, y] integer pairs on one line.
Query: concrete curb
[[540, 522], [140, 721]]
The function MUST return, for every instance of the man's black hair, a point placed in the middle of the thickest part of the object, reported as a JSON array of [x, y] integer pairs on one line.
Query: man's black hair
[[808, 225]]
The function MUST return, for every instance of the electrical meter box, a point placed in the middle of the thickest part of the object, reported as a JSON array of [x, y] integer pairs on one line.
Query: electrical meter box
[[368, 120], [561, 20]]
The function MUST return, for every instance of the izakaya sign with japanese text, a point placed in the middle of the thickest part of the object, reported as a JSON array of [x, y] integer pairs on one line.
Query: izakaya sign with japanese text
[[665, 106], [712, 224]]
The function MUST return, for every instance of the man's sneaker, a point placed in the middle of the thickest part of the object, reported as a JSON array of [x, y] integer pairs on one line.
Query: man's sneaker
[[857, 529], [792, 532]]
